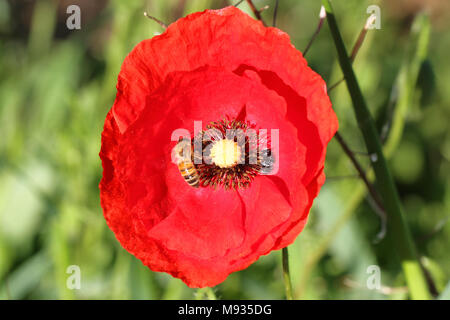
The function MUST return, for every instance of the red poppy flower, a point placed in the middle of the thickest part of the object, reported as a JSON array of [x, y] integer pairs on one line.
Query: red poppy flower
[[227, 70]]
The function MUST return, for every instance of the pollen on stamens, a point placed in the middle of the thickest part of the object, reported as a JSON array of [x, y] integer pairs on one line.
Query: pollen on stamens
[[225, 153], [231, 162]]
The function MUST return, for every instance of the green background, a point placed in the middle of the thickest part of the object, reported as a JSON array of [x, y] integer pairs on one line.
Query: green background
[[56, 86]]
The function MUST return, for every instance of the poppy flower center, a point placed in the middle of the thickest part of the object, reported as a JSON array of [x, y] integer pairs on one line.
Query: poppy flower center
[[229, 154], [225, 153]]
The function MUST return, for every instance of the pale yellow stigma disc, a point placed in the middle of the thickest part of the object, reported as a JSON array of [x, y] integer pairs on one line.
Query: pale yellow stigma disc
[[225, 153]]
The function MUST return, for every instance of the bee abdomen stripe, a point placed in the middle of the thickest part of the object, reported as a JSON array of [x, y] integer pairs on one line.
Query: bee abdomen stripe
[[191, 171], [191, 178], [193, 183]]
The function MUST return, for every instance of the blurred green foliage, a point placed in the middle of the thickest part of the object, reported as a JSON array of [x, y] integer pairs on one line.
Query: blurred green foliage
[[57, 85]]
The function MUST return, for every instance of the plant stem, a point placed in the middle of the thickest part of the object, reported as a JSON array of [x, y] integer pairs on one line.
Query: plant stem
[[322, 17], [286, 274], [356, 47], [379, 208], [162, 24], [256, 12], [397, 228], [207, 293], [238, 3], [210, 294], [275, 12]]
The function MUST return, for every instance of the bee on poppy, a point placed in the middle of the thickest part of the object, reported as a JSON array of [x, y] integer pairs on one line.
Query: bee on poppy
[[182, 153]]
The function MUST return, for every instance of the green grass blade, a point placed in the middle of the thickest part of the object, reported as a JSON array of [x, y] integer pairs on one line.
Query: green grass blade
[[398, 230]]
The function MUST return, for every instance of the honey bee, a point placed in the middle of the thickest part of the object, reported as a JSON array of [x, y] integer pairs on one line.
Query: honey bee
[[183, 151]]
